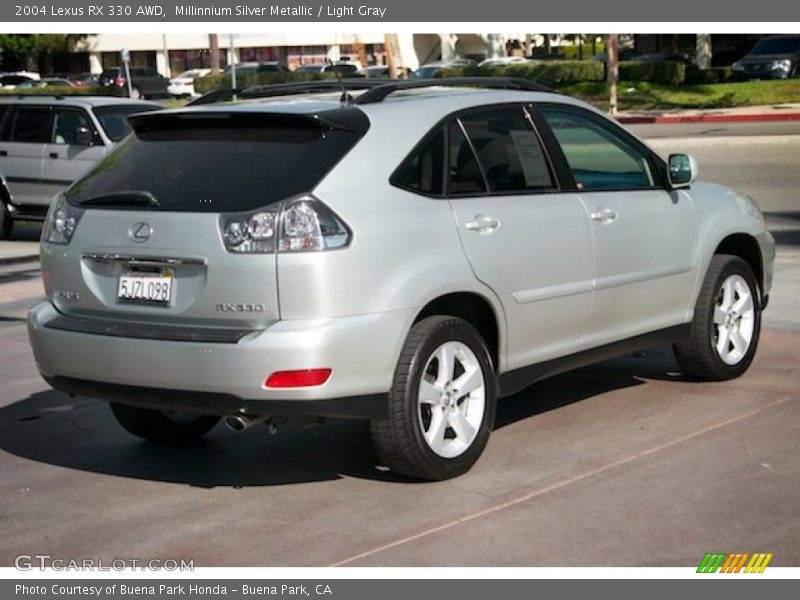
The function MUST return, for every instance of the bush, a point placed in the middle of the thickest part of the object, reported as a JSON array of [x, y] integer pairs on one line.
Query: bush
[[664, 73], [706, 76], [66, 91], [209, 83], [551, 73]]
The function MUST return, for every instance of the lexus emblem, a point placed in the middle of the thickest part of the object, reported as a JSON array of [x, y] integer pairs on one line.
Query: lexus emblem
[[140, 232]]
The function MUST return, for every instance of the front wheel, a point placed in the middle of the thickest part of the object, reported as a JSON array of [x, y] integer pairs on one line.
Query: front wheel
[[726, 325], [442, 402], [162, 426]]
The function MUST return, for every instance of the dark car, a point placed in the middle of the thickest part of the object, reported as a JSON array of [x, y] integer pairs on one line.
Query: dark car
[[773, 57], [146, 82]]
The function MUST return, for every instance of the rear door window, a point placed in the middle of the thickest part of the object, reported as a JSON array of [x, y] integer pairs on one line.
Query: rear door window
[[217, 162], [114, 119], [31, 125], [509, 151]]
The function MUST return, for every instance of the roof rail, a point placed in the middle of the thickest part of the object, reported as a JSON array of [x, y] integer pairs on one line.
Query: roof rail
[[378, 93], [287, 89]]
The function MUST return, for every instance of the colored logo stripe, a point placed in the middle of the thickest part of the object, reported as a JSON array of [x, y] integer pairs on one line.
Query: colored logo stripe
[[734, 563]]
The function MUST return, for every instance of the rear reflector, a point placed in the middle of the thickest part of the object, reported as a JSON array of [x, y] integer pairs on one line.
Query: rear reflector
[[302, 378]]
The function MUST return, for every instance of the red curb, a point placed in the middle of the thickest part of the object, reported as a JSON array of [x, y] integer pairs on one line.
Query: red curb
[[672, 119]]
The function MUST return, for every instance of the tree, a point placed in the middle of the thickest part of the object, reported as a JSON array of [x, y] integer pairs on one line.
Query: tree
[[613, 72], [26, 50], [213, 50]]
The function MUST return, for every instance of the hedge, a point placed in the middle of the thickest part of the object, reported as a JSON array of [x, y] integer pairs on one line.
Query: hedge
[[664, 73], [551, 73], [57, 90], [209, 83], [706, 76]]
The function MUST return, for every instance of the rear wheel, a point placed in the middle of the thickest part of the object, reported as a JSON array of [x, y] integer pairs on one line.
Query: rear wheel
[[727, 322], [442, 402], [162, 426]]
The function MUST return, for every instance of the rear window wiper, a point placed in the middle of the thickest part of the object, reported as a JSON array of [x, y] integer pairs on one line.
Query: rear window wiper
[[134, 199]]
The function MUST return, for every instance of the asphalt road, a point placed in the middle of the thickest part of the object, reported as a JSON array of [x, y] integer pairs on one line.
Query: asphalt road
[[623, 463]]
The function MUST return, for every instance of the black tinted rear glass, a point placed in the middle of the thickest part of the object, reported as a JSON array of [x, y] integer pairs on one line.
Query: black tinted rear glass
[[220, 163]]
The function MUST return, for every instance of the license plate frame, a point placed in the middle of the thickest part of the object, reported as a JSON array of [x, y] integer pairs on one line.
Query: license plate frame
[[146, 287]]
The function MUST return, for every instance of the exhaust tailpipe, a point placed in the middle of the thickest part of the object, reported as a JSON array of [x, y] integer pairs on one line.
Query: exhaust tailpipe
[[242, 422]]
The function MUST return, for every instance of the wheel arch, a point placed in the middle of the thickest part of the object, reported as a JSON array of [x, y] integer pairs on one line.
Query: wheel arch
[[746, 247], [475, 309]]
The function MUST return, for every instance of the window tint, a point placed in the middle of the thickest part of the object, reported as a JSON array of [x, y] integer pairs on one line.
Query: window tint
[[3, 112], [423, 170], [508, 150], [65, 123], [237, 163], [31, 124], [465, 175], [598, 157]]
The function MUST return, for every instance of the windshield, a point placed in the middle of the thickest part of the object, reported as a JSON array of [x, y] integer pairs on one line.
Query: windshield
[[776, 46], [114, 119], [229, 163]]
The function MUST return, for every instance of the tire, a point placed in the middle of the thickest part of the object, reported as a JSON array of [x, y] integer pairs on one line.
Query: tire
[[727, 322], [423, 404], [158, 426], [6, 223]]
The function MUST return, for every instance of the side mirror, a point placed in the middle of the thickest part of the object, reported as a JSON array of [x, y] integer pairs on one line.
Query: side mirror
[[682, 170], [83, 137]]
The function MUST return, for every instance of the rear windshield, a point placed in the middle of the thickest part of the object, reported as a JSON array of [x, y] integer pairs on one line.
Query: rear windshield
[[114, 119], [228, 163]]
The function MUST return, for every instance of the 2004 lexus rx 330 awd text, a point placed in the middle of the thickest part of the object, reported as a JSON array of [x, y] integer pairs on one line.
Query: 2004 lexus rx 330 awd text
[[405, 253]]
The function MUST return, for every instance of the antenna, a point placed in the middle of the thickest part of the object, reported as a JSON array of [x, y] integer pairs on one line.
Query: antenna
[[346, 98]]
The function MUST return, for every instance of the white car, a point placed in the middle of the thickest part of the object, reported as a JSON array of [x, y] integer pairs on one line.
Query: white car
[[183, 84], [503, 61]]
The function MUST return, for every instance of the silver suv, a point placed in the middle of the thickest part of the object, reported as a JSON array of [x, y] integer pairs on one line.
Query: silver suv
[[47, 142], [407, 256]]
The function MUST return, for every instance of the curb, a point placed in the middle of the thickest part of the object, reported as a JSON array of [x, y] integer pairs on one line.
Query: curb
[[673, 119], [13, 260]]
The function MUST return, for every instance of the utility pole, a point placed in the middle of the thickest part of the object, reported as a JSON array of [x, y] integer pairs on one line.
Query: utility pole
[[213, 50], [612, 56], [393, 57]]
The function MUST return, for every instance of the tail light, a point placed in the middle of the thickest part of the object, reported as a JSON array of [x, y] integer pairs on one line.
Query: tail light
[[301, 225], [119, 81], [61, 221], [301, 378]]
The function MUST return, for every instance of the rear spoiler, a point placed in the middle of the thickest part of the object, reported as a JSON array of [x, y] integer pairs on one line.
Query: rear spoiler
[[344, 119]]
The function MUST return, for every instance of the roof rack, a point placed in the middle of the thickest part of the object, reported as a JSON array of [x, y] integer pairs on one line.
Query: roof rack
[[378, 93], [287, 89]]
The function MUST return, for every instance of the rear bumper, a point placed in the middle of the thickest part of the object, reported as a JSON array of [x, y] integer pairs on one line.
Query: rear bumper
[[228, 378]]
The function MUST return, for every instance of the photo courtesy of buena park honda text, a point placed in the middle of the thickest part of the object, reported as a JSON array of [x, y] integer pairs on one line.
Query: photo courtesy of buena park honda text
[[399, 299]]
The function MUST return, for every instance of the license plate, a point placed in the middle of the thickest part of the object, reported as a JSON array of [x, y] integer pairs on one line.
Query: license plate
[[145, 288]]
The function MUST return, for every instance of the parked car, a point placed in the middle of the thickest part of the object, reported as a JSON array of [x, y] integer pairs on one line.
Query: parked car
[[429, 70], [12, 80], [257, 67], [182, 86], [45, 82], [344, 68], [85, 79], [503, 61], [47, 142], [382, 72], [145, 81], [405, 258], [773, 57]]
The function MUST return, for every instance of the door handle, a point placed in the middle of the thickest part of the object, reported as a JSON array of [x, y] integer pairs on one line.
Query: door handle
[[604, 215], [482, 224], [54, 155]]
